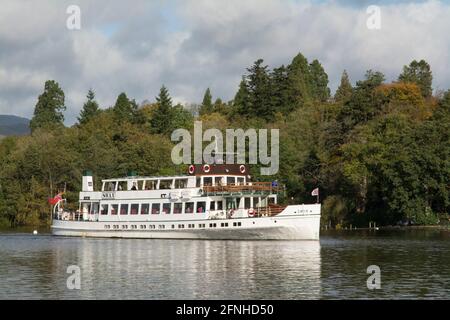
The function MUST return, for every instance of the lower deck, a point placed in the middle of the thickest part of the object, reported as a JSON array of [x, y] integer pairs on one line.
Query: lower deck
[[290, 225]]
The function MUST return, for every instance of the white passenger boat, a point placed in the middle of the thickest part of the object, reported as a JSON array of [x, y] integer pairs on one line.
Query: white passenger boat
[[215, 201]]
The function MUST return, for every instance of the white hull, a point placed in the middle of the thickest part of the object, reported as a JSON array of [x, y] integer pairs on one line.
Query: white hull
[[285, 226]]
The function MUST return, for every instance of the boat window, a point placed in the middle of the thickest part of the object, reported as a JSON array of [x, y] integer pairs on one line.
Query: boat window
[[201, 206], [181, 183], [177, 207], [246, 203], [140, 184], [104, 210], [255, 202], [231, 203], [271, 200], [198, 182], [219, 205], [94, 208], [122, 186], [212, 206], [207, 181], [124, 208], [238, 203], [150, 185], [165, 184], [166, 208], [240, 180], [218, 181], [134, 186], [114, 209], [134, 208], [156, 207], [110, 186], [144, 208], [189, 207], [231, 180]]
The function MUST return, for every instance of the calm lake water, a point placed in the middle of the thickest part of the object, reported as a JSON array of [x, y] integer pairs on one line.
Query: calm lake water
[[415, 264]]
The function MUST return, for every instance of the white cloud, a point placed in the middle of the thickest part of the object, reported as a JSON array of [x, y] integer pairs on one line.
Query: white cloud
[[191, 45]]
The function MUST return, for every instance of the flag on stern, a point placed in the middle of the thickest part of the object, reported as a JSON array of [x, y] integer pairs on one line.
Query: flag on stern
[[55, 199], [315, 192]]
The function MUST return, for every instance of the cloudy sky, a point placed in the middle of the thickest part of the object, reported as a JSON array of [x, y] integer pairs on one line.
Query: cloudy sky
[[136, 46]]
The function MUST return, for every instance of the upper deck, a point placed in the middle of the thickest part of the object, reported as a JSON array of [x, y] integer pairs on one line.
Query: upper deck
[[206, 180]]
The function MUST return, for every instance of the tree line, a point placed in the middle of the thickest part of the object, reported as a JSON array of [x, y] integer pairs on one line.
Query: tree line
[[378, 151]]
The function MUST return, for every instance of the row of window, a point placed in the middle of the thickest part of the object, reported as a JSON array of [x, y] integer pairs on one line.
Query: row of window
[[219, 181], [173, 226], [164, 184], [155, 208], [145, 184], [168, 208]]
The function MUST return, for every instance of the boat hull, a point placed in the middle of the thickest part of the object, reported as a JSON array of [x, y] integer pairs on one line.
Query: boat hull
[[282, 227]]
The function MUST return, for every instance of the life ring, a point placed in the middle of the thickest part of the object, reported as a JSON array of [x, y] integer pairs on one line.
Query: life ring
[[191, 169], [206, 168], [242, 168], [251, 213]]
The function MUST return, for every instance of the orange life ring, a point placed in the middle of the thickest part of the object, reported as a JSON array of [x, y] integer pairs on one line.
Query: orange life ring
[[242, 168], [206, 168], [191, 169], [251, 213]]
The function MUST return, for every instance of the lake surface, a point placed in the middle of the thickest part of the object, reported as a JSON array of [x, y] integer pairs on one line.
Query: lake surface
[[414, 264]]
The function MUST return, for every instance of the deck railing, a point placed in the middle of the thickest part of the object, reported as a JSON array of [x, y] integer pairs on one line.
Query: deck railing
[[269, 211], [252, 187]]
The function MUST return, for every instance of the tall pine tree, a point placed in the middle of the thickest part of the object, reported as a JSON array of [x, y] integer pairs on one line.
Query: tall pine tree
[[344, 91], [419, 73], [319, 82], [299, 81], [90, 108], [241, 101], [280, 90], [48, 111], [162, 116], [258, 81], [207, 105]]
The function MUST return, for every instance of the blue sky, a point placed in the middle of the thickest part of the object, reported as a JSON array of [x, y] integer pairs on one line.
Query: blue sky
[[137, 46]]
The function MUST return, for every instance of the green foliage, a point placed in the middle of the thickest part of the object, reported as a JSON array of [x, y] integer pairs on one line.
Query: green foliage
[[319, 82], [299, 78], [345, 89], [207, 105], [90, 109], [378, 152], [125, 110], [418, 72], [241, 102], [162, 117], [280, 91], [48, 111], [258, 84]]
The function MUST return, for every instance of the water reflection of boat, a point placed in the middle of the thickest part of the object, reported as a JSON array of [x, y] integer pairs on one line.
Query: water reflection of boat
[[172, 269]]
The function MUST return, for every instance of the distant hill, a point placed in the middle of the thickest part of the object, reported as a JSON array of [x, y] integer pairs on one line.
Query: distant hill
[[14, 126]]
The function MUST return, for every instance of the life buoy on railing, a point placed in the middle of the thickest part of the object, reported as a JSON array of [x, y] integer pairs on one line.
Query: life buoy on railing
[[206, 168], [242, 168], [251, 213], [191, 169]]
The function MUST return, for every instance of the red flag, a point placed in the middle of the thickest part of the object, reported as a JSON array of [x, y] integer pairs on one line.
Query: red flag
[[315, 192], [55, 199]]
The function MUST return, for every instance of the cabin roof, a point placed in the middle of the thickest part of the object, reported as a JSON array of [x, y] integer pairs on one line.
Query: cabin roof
[[146, 178]]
